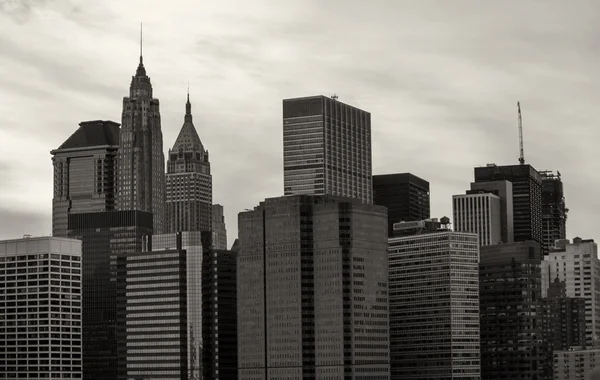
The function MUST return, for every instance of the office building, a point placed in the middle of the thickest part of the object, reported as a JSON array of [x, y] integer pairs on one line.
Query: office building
[[503, 190], [160, 308], [527, 198], [40, 308], [405, 195], [509, 293], [312, 290], [84, 172], [141, 161], [189, 182], [576, 364], [577, 264], [554, 210], [219, 237], [434, 302], [219, 314], [104, 236], [326, 148], [478, 213]]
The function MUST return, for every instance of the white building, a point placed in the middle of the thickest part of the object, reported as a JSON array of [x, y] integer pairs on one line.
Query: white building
[[575, 365], [577, 264], [40, 308], [478, 213]]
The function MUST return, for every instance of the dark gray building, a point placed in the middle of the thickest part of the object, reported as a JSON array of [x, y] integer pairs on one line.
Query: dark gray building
[[189, 182], [326, 148], [85, 172], [104, 236], [511, 330], [504, 190], [141, 161], [405, 195], [554, 210], [312, 290], [527, 198]]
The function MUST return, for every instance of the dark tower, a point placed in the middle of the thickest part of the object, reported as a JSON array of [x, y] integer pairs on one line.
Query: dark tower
[[141, 161], [554, 210]]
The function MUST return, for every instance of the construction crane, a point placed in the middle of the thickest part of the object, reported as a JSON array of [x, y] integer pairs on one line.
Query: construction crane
[[521, 154]]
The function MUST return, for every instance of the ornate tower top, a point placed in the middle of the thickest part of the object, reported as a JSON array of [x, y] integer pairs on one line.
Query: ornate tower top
[[141, 71], [188, 107]]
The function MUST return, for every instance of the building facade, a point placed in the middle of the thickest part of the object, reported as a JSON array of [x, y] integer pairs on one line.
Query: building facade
[[577, 264], [509, 291], [503, 190], [85, 172], [312, 290], [405, 195], [326, 148], [478, 213], [104, 236], [527, 198], [554, 210], [576, 364], [189, 182], [434, 305], [219, 237], [40, 308], [141, 161], [160, 308]]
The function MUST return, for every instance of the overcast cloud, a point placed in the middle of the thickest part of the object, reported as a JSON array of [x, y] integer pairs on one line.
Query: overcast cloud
[[441, 80]]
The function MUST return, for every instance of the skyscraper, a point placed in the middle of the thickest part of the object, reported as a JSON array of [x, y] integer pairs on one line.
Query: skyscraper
[[405, 195], [434, 303], [527, 198], [504, 190], [40, 309], [219, 232], [85, 172], [554, 210], [312, 290], [326, 148], [478, 213], [141, 161], [189, 182]]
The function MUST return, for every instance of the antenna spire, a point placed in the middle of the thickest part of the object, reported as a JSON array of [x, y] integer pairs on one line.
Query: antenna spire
[[521, 154], [141, 43], [188, 106]]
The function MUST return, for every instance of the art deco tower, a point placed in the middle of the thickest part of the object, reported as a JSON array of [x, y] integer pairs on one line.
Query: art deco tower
[[141, 161], [189, 183]]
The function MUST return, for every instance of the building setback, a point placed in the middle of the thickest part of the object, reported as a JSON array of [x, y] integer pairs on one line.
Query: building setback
[[434, 303], [554, 210], [527, 198], [312, 290], [160, 308], [478, 213], [141, 161], [326, 148], [40, 308], [509, 292], [104, 236], [84, 172], [189, 182], [504, 190], [405, 195], [219, 232]]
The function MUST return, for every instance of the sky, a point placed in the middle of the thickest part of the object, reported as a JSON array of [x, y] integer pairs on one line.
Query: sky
[[441, 80]]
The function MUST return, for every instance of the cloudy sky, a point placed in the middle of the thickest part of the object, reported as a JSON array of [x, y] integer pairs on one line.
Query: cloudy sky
[[441, 80]]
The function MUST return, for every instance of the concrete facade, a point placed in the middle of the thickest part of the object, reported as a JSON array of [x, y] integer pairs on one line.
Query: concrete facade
[[480, 214]]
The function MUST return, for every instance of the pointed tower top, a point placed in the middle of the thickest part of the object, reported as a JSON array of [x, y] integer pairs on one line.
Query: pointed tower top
[[188, 107], [141, 71], [141, 43]]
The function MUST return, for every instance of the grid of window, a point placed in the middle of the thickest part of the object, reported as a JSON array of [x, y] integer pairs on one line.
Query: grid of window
[[480, 214]]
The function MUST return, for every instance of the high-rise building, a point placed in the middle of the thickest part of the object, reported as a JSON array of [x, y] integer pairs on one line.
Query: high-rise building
[[554, 210], [478, 213], [105, 235], [160, 309], [219, 232], [84, 172], [504, 190], [577, 264], [312, 290], [219, 315], [527, 198], [189, 182], [434, 302], [509, 293], [326, 148], [141, 161], [405, 195], [576, 364], [40, 308]]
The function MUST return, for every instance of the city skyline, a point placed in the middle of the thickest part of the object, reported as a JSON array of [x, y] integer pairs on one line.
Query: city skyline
[[442, 97]]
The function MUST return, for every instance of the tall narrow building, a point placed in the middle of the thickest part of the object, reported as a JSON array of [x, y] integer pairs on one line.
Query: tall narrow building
[[189, 183], [479, 213], [141, 161], [219, 232], [84, 172], [554, 210], [326, 148]]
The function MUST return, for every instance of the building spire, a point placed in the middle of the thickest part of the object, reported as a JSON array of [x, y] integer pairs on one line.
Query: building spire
[[141, 71], [188, 106], [141, 43]]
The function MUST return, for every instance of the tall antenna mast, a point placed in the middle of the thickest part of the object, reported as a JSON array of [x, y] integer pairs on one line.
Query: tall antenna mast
[[521, 155]]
